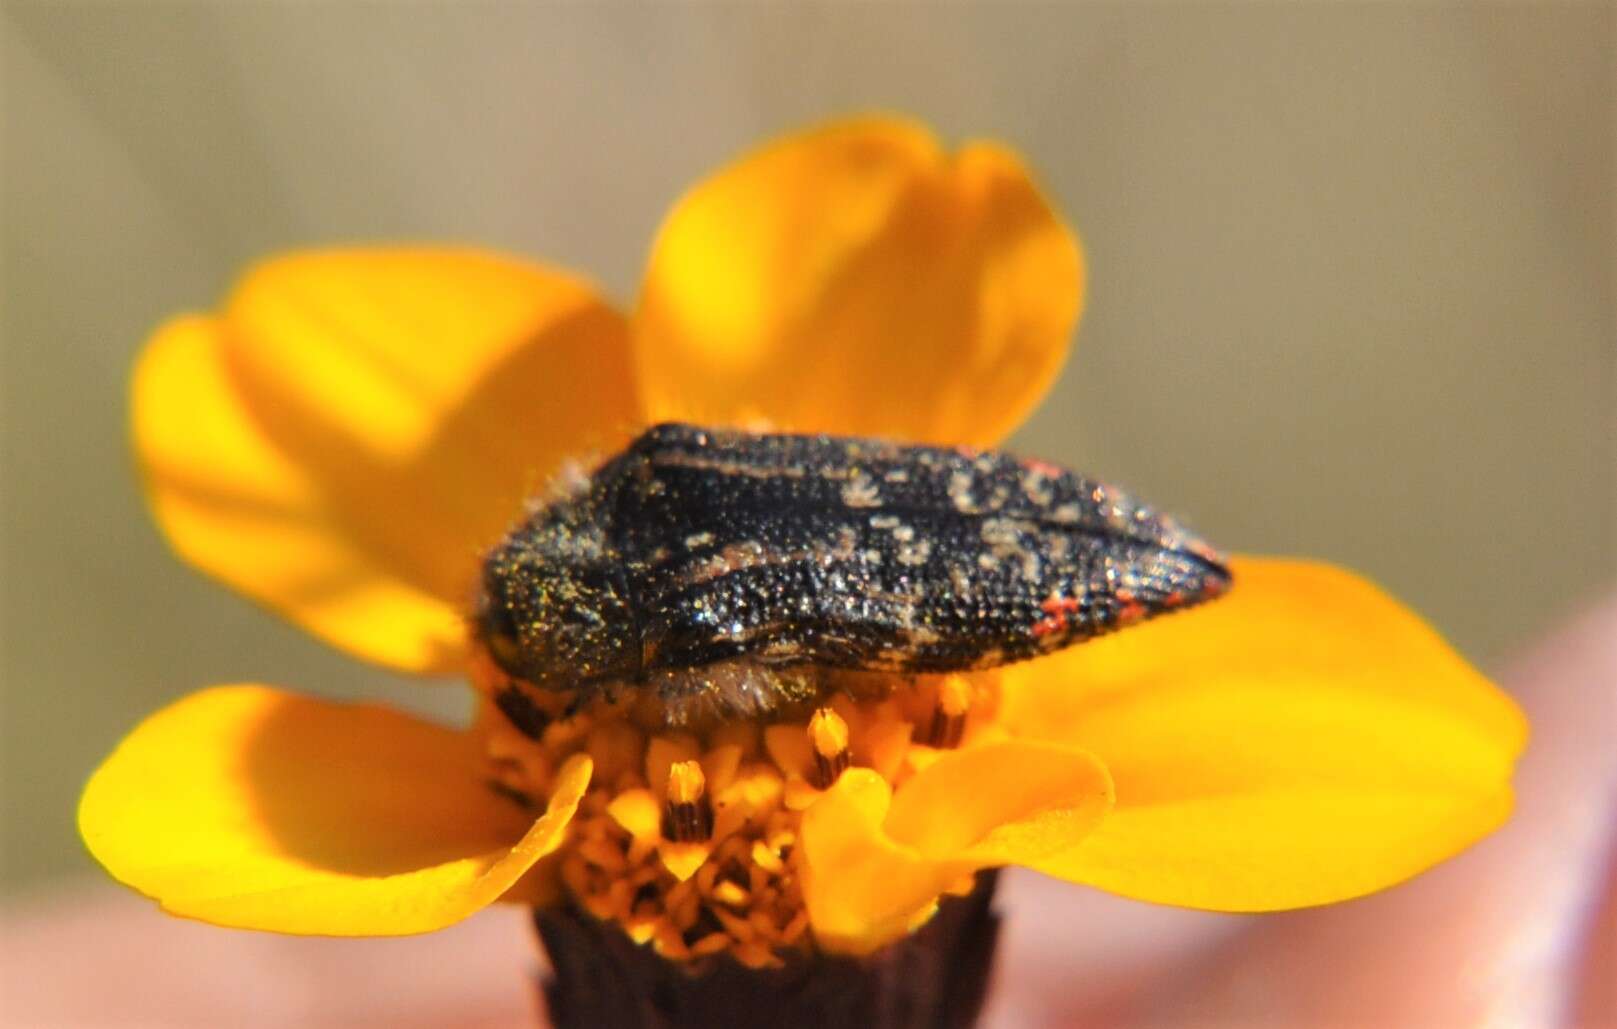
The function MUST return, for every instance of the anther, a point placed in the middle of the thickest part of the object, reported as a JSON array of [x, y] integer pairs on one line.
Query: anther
[[828, 735], [949, 717], [687, 813]]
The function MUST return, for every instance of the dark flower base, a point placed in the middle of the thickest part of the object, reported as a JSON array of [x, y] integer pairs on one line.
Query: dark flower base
[[937, 978]]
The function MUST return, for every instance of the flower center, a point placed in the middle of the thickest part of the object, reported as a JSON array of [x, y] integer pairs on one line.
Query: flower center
[[688, 841]]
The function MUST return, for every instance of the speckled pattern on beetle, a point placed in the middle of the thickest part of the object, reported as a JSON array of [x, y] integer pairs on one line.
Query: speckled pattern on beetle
[[738, 574]]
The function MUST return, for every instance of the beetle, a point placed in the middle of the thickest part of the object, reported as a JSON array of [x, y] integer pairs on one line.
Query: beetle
[[733, 574]]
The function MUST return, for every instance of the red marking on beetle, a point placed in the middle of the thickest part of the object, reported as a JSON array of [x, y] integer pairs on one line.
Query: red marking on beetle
[[1056, 609], [1130, 612], [1044, 468]]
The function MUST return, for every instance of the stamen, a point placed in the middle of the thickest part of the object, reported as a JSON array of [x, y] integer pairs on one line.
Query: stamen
[[949, 717], [688, 814], [828, 734]]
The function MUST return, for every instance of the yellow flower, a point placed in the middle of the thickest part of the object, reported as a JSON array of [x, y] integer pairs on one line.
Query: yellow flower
[[345, 437]]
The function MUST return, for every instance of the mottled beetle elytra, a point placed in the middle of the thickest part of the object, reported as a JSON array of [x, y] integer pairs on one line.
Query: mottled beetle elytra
[[734, 574]]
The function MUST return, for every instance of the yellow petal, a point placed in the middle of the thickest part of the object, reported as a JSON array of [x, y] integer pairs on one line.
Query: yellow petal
[[683, 859], [856, 278], [788, 746], [874, 864], [249, 807], [386, 412], [860, 887], [1302, 740], [756, 789], [235, 506], [1003, 803], [638, 812], [719, 766]]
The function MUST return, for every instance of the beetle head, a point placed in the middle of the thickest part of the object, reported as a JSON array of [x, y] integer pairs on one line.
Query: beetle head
[[553, 609]]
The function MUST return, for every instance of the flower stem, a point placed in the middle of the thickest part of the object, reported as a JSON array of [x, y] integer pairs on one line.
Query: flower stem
[[936, 978]]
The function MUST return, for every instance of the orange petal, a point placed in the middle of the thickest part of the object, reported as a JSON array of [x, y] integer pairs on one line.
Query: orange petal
[[855, 278], [370, 420], [1302, 740], [875, 864], [249, 807]]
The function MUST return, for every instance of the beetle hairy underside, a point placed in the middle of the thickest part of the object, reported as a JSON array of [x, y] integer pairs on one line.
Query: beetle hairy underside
[[733, 574]]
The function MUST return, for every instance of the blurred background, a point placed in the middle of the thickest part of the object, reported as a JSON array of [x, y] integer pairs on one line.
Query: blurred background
[[1351, 294]]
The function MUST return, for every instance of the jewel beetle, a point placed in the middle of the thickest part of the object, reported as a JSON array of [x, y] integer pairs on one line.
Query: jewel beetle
[[737, 574]]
